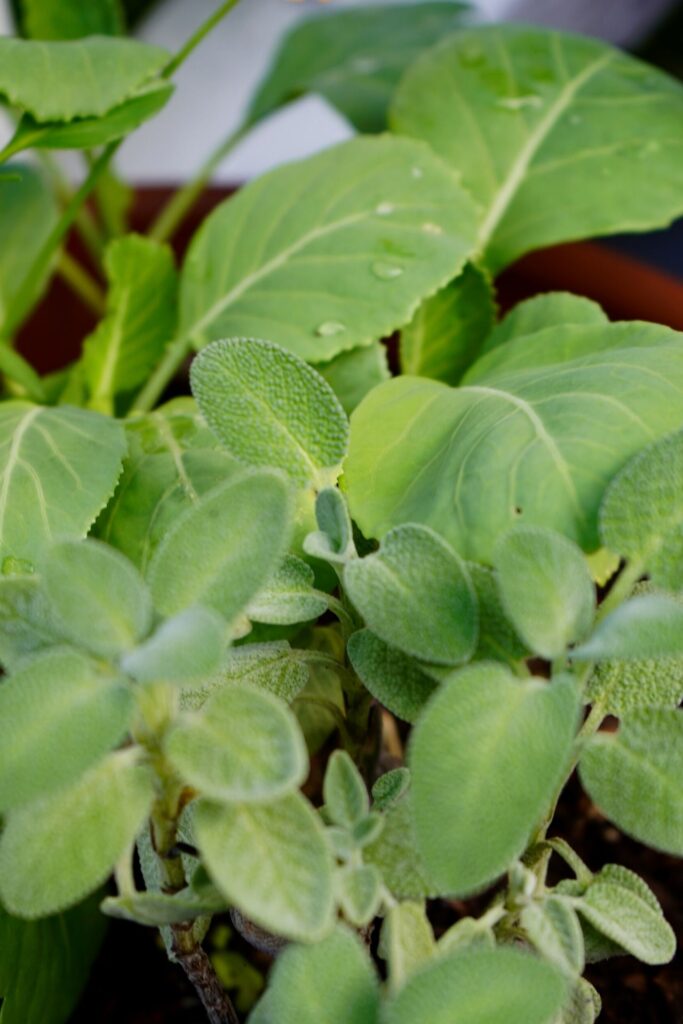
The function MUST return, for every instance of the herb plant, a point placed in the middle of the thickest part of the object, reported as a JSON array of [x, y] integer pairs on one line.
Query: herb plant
[[201, 597]]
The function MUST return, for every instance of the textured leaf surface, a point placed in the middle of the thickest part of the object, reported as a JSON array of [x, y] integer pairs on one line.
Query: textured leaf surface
[[397, 856], [272, 861], [352, 374], [333, 541], [354, 58], [394, 679], [634, 776], [641, 517], [551, 309], [529, 435], [185, 649], [72, 19], [268, 408], [648, 626], [59, 81], [58, 467], [555, 931], [329, 253], [447, 333], [289, 596], [273, 667], [486, 758], [332, 980], [498, 640], [406, 941], [530, 116], [243, 745], [500, 986], [359, 893], [546, 586], [140, 319], [416, 595], [221, 551], [158, 909], [344, 792], [57, 850], [27, 621], [59, 717]]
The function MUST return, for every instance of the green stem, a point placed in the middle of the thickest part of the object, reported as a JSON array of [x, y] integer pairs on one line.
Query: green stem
[[159, 380], [85, 223], [81, 282], [197, 37]]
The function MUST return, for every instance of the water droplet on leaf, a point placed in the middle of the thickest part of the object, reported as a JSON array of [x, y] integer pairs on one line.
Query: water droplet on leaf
[[329, 328], [417, 172], [432, 229], [519, 102], [386, 271], [384, 209]]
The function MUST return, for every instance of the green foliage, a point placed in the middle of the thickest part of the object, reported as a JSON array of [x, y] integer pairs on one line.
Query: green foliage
[[289, 596], [187, 648], [406, 941], [333, 541], [394, 679], [344, 792], [647, 626], [551, 309], [352, 374], [57, 19], [498, 640], [359, 893], [553, 928], [27, 621], [273, 667]]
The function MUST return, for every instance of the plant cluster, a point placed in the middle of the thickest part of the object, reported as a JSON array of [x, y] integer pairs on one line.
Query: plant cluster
[[201, 598]]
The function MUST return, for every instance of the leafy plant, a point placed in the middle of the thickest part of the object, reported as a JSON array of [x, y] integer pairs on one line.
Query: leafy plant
[[203, 598]]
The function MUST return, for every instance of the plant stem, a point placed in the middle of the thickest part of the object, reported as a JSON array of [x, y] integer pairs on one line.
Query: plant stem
[[197, 37], [176, 210], [198, 967], [85, 223], [161, 377], [81, 282]]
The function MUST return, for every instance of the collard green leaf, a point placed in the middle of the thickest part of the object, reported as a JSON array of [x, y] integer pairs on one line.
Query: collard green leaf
[[58, 467], [63, 80], [354, 59], [243, 745], [185, 649], [333, 980], [648, 626], [71, 19], [100, 598], [507, 742], [529, 116], [59, 716], [406, 941], [27, 621], [45, 964], [447, 333], [395, 680], [501, 986], [319, 267], [416, 595], [272, 861], [344, 792], [473, 460], [57, 850], [268, 408], [221, 551], [554, 930], [641, 517], [289, 596], [333, 541], [498, 640], [140, 319], [622, 907], [551, 309], [397, 855], [28, 213], [352, 374], [359, 890], [546, 586], [634, 776]]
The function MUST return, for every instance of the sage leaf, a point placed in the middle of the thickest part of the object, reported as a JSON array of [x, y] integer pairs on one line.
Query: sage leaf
[[395, 680], [70, 19], [507, 742], [447, 333], [397, 855], [289, 596], [641, 517], [555, 931], [416, 595], [343, 266], [354, 58], [157, 909], [139, 323], [333, 541], [584, 1005], [390, 787], [498, 640], [332, 980], [243, 745], [272, 861], [60, 716], [647, 626], [500, 986], [27, 620], [58, 849], [634, 776], [622, 686], [550, 309], [352, 374], [344, 792], [63, 80], [221, 551], [185, 649], [58, 467], [406, 941], [546, 586], [469, 933], [273, 667], [268, 408], [360, 893], [100, 598], [572, 117]]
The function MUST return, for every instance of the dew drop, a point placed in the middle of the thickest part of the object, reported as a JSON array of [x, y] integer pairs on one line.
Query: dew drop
[[432, 229], [384, 209], [417, 172], [330, 327], [575, 119], [386, 271], [519, 102]]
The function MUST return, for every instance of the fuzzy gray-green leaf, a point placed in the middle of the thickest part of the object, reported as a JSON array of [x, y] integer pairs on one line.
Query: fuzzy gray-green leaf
[[647, 626], [406, 941], [289, 596], [344, 792], [554, 929], [394, 679], [184, 650]]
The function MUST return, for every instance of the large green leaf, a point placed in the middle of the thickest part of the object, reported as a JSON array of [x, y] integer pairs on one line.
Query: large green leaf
[[634, 776], [272, 861], [221, 551], [487, 756], [72, 19], [352, 374], [550, 309], [45, 964], [243, 745], [415, 594], [140, 319], [59, 849], [329, 253], [58, 467], [332, 981], [59, 716], [269, 408], [28, 213], [530, 117], [501, 986], [60, 81], [539, 444], [354, 58]]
